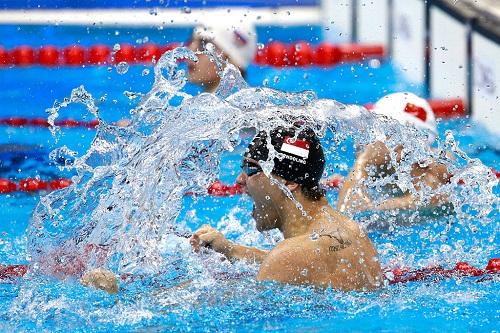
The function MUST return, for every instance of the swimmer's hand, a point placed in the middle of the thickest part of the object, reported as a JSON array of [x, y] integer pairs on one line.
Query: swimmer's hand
[[101, 278], [209, 237]]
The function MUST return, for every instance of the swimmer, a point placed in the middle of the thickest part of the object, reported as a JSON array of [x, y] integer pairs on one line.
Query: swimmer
[[375, 161], [322, 247], [236, 44]]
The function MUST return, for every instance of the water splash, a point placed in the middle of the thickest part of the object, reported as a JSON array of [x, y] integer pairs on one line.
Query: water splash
[[129, 185], [122, 211]]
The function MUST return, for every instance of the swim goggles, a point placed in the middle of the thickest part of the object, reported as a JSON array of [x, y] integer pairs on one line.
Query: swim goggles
[[250, 168]]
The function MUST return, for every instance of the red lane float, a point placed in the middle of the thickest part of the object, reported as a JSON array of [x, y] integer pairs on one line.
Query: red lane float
[[442, 108], [148, 53], [4, 57], [23, 55], [9, 272], [33, 185], [74, 55], [276, 54], [60, 183], [300, 54], [99, 54], [333, 182], [7, 186], [219, 189], [48, 56], [327, 54], [14, 121], [126, 53]]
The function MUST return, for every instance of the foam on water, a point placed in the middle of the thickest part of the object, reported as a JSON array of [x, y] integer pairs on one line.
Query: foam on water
[[129, 185]]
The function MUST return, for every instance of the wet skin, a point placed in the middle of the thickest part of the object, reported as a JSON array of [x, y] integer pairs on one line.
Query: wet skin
[[323, 248]]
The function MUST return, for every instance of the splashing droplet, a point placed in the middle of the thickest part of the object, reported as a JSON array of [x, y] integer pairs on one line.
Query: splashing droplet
[[122, 68]]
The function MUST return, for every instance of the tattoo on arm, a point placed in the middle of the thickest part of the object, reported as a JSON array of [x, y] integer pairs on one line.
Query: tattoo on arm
[[339, 242]]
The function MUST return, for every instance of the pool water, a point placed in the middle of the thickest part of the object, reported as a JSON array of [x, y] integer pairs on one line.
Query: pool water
[[233, 302]]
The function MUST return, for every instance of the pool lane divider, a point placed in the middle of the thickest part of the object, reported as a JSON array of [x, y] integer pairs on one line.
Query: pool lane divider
[[32, 185], [9, 273], [216, 189], [443, 108], [42, 122], [276, 54]]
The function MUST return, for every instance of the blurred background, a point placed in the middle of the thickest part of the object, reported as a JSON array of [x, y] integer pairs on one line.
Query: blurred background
[[352, 51]]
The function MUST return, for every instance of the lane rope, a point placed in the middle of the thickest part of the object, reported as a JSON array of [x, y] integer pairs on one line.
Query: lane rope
[[216, 189], [443, 108], [276, 54], [9, 273], [42, 122], [33, 185]]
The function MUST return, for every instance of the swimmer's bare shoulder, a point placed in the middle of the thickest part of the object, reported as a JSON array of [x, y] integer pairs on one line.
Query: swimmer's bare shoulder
[[342, 259]]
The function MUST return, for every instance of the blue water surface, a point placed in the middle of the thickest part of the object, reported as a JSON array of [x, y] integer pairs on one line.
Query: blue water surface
[[242, 305]]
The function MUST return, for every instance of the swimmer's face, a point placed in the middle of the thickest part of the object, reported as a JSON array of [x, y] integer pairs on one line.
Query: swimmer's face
[[204, 71], [264, 193]]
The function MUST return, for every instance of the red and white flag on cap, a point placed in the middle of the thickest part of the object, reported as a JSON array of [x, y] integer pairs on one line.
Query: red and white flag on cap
[[296, 147]]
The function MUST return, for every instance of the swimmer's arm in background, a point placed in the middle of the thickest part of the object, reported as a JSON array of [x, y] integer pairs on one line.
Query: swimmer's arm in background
[[436, 175], [352, 194], [434, 178], [207, 236], [407, 201]]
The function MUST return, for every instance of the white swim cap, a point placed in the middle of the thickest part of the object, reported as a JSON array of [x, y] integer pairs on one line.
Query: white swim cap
[[408, 108], [238, 41]]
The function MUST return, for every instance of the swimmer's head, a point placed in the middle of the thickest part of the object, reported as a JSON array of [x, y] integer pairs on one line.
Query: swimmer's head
[[237, 42], [301, 159], [408, 109]]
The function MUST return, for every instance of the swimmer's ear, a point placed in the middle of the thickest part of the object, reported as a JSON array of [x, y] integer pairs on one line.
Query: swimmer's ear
[[292, 186]]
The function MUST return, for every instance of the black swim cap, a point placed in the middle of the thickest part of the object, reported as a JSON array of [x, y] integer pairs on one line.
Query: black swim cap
[[303, 158]]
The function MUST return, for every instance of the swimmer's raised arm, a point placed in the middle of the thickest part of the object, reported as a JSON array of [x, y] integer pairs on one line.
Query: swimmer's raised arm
[[209, 237], [352, 193]]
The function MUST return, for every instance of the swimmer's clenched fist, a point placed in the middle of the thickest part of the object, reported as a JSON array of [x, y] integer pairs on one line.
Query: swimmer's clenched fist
[[209, 237], [101, 278]]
